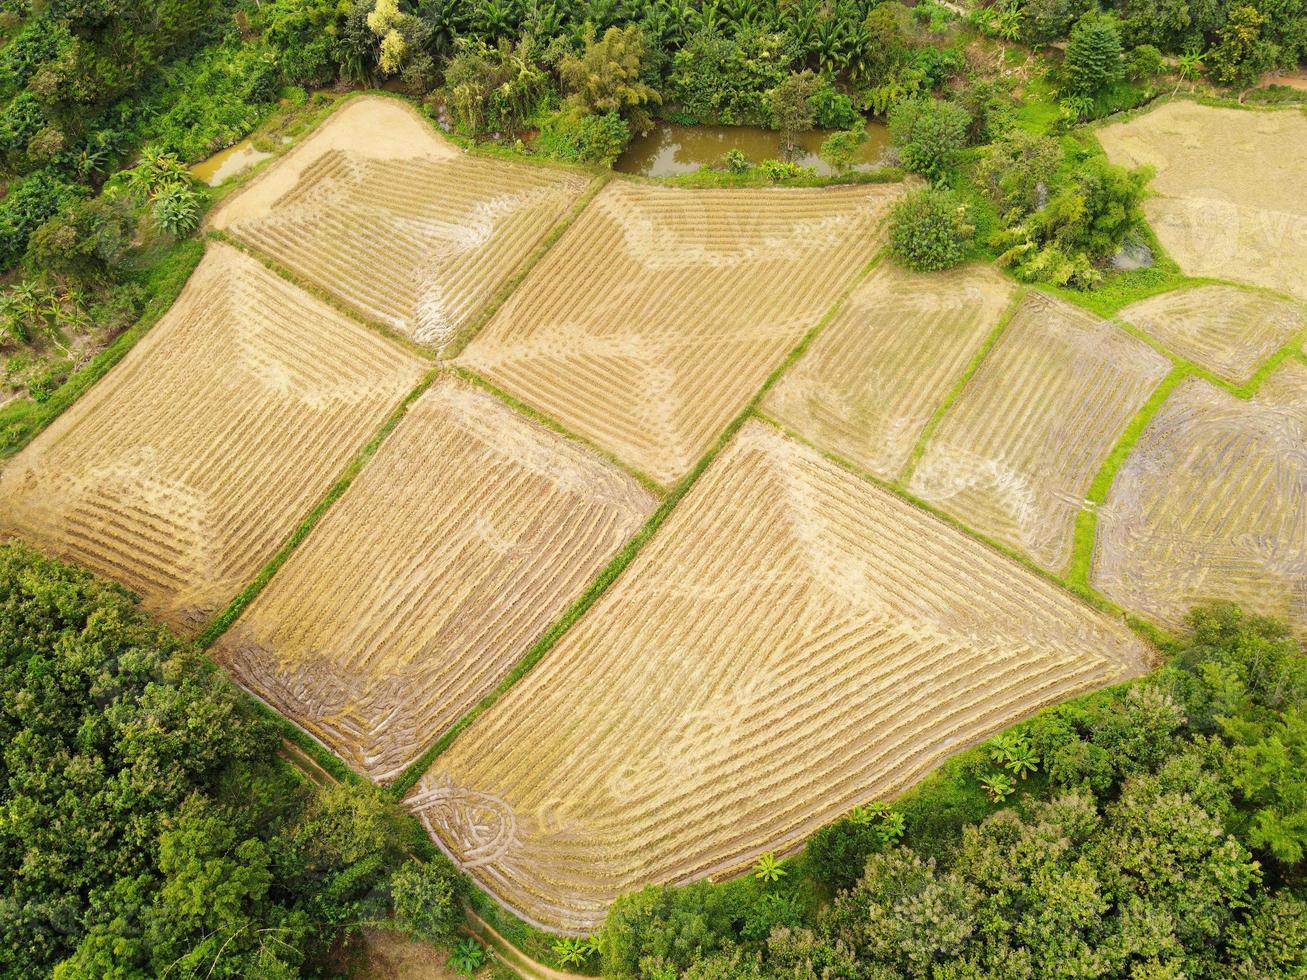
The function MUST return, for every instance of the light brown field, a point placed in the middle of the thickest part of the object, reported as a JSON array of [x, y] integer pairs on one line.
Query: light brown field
[[870, 382], [1016, 453], [183, 470], [658, 314], [1212, 504], [793, 641], [1231, 182], [467, 535], [1227, 330], [378, 210]]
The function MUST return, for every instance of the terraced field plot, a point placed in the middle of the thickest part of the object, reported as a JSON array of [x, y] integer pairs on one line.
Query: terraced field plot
[[466, 536], [1227, 330], [378, 210], [652, 321], [183, 470], [1231, 182], [1017, 451], [870, 382], [793, 641], [1212, 504]]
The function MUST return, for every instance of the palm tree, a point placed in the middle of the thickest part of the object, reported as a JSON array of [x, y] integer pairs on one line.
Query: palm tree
[[767, 868], [998, 786]]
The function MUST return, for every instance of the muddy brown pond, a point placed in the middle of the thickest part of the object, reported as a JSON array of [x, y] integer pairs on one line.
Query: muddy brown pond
[[670, 149]]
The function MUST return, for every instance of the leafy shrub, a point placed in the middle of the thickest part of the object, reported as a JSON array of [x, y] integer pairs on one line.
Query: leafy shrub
[[930, 136], [428, 899], [573, 135], [839, 149], [838, 852], [832, 109], [929, 230], [724, 80]]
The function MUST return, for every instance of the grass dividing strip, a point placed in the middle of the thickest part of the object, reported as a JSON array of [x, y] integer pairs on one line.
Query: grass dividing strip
[[224, 619], [972, 367], [1082, 542], [465, 336], [522, 408], [625, 556]]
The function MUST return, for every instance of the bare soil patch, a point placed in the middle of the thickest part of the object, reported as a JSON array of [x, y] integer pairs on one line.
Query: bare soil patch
[[183, 470], [464, 538], [1018, 450], [652, 321], [1230, 184], [1212, 504], [871, 381], [378, 210], [792, 642]]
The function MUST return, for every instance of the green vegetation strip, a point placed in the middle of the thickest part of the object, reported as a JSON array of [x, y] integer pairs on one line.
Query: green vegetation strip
[[1082, 547], [972, 367], [22, 419]]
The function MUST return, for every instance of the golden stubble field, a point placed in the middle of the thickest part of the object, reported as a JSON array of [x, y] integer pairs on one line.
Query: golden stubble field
[[465, 537], [661, 311], [792, 642], [1230, 185], [1212, 504], [868, 385], [380, 211], [184, 469], [1016, 453]]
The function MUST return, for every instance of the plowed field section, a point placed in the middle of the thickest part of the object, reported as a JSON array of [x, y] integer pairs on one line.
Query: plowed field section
[[1212, 504], [184, 469], [873, 378], [466, 536], [1229, 331], [1230, 185], [397, 223], [793, 641], [652, 321], [1016, 453]]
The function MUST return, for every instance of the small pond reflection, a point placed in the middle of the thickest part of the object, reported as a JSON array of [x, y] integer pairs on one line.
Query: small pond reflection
[[670, 148]]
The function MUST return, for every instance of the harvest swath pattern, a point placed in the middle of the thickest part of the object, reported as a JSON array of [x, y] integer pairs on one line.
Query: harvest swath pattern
[[1016, 453], [792, 642], [1230, 185], [1212, 504], [652, 321], [1228, 330], [870, 382], [418, 242], [467, 535], [184, 469]]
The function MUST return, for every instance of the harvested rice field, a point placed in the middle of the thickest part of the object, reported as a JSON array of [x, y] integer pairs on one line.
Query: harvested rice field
[[792, 642], [1016, 453], [1212, 504], [380, 211], [184, 469], [1230, 185], [661, 311], [870, 382], [467, 535], [1229, 331]]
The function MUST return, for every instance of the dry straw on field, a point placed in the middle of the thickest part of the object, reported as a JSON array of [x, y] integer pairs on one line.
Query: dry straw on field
[[1230, 184], [185, 468], [792, 642], [661, 311], [378, 210], [1212, 504], [869, 384], [1016, 453], [1229, 331], [470, 531]]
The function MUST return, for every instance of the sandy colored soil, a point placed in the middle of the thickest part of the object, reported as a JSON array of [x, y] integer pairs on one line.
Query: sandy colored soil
[[792, 642], [378, 210], [1212, 504], [1018, 450], [876, 374], [660, 312], [1231, 182], [185, 468], [466, 536], [1228, 330]]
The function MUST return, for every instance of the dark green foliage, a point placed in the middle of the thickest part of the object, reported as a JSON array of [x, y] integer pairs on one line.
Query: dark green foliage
[[1093, 56], [30, 203], [721, 79], [929, 230], [838, 852], [930, 136], [428, 900], [572, 135], [86, 241]]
